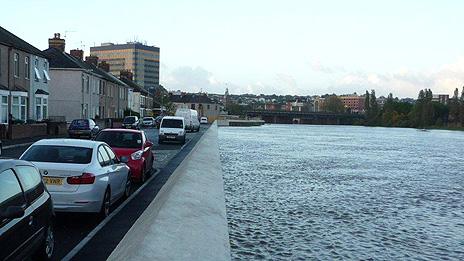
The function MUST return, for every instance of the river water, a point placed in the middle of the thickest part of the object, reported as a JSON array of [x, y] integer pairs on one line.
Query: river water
[[303, 192]]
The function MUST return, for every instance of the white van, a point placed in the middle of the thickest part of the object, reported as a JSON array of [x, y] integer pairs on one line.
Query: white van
[[172, 128], [190, 117]]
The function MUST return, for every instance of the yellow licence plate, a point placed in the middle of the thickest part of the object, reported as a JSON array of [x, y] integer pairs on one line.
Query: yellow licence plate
[[53, 181]]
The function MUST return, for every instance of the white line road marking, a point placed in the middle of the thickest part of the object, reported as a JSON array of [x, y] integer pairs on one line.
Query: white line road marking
[[92, 233]]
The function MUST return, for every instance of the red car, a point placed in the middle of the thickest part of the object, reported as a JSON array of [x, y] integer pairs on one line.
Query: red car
[[132, 144]]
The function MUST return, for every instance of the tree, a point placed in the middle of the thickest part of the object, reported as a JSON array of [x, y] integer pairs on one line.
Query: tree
[[334, 104], [387, 113], [454, 107], [372, 114], [367, 103], [461, 108]]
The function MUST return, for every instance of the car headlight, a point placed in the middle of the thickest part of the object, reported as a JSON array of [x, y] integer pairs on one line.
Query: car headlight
[[161, 132], [137, 155], [181, 132]]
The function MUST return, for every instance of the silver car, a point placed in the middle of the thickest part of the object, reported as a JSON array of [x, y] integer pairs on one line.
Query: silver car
[[81, 175]]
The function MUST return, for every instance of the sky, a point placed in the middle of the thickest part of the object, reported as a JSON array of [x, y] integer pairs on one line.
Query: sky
[[272, 47]]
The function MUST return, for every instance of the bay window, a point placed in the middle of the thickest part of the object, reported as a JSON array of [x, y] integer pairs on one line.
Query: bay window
[[18, 108]]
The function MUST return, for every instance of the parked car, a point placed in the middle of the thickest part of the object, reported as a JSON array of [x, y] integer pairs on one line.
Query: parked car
[[190, 118], [134, 145], [131, 122], [83, 128], [148, 121], [172, 128], [81, 175], [203, 120], [26, 213], [158, 121]]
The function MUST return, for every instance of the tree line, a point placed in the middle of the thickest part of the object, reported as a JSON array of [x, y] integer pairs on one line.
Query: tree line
[[424, 113]]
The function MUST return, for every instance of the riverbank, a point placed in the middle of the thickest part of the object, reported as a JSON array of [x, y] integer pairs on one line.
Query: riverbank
[[187, 219]]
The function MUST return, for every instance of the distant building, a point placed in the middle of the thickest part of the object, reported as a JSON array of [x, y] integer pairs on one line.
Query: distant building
[[200, 102], [318, 104], [441, 98], [24, 79], [141, 60], [354, 102], [82, 89], [140, 100]]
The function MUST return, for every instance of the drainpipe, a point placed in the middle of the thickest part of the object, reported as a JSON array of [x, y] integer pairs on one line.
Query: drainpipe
[[9, 121]]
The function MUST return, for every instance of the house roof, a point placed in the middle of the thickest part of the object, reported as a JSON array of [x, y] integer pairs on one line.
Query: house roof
[[9, 39], [18, 89], [135, 86], [3, 87], [40, 91], [59, 59], [191, 98]]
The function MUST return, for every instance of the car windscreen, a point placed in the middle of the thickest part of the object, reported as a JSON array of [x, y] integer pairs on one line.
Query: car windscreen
[[148, 119], [129, 120], [58, 154], [172, 123], [121, 139]]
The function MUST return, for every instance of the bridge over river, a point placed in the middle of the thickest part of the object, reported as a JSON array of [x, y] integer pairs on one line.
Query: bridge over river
[[289, 117]]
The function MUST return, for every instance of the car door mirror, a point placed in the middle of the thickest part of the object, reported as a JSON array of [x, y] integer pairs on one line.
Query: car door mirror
[[148, 143], [12, 212], [124, 159]]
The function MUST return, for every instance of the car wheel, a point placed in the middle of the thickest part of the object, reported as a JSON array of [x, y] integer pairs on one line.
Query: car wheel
[[45, 252], [127, 190], [106, 204], [183, 141]]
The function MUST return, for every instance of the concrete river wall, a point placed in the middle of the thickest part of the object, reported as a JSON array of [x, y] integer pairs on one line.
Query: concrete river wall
[[187, 219]]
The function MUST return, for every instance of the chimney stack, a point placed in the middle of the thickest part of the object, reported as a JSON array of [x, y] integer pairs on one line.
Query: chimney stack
[[57, 42], [92, 60], [126, 74], [78, 54], [104, 66]]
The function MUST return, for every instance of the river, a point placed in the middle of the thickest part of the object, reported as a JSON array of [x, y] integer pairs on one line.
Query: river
[[303, 192]]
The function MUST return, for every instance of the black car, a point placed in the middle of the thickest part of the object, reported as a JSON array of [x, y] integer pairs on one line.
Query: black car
[[83, 128], [158, 121], [131, 122], [26, 213]]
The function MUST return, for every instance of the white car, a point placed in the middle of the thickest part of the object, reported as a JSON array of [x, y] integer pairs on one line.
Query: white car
[[81, 175], [203, 120], [172, 128], [148, 121]]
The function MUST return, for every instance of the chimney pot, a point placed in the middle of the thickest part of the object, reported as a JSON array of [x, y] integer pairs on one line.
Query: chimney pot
[[91, 60], [57, 42], [78, 54]]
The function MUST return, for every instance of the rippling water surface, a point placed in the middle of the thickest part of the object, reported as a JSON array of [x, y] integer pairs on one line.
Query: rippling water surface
[[304, 192]]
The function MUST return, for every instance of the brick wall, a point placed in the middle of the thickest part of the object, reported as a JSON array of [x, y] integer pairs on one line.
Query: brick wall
[[28, 130]]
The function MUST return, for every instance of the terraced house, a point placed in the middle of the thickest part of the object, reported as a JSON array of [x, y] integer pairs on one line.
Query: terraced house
[[83, 89], [24, 80]]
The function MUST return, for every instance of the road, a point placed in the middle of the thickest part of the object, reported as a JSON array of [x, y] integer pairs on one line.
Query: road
[[71, 228]]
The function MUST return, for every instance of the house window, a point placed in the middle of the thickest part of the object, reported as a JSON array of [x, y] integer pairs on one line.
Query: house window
[[207, 106], [27, 68], [4, 108], [38, 108], [16, 65], [44, 108], [19, 107], [192, 106]]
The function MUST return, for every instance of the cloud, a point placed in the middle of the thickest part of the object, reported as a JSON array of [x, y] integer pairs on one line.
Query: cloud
[[404, 82], [317, 66]]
